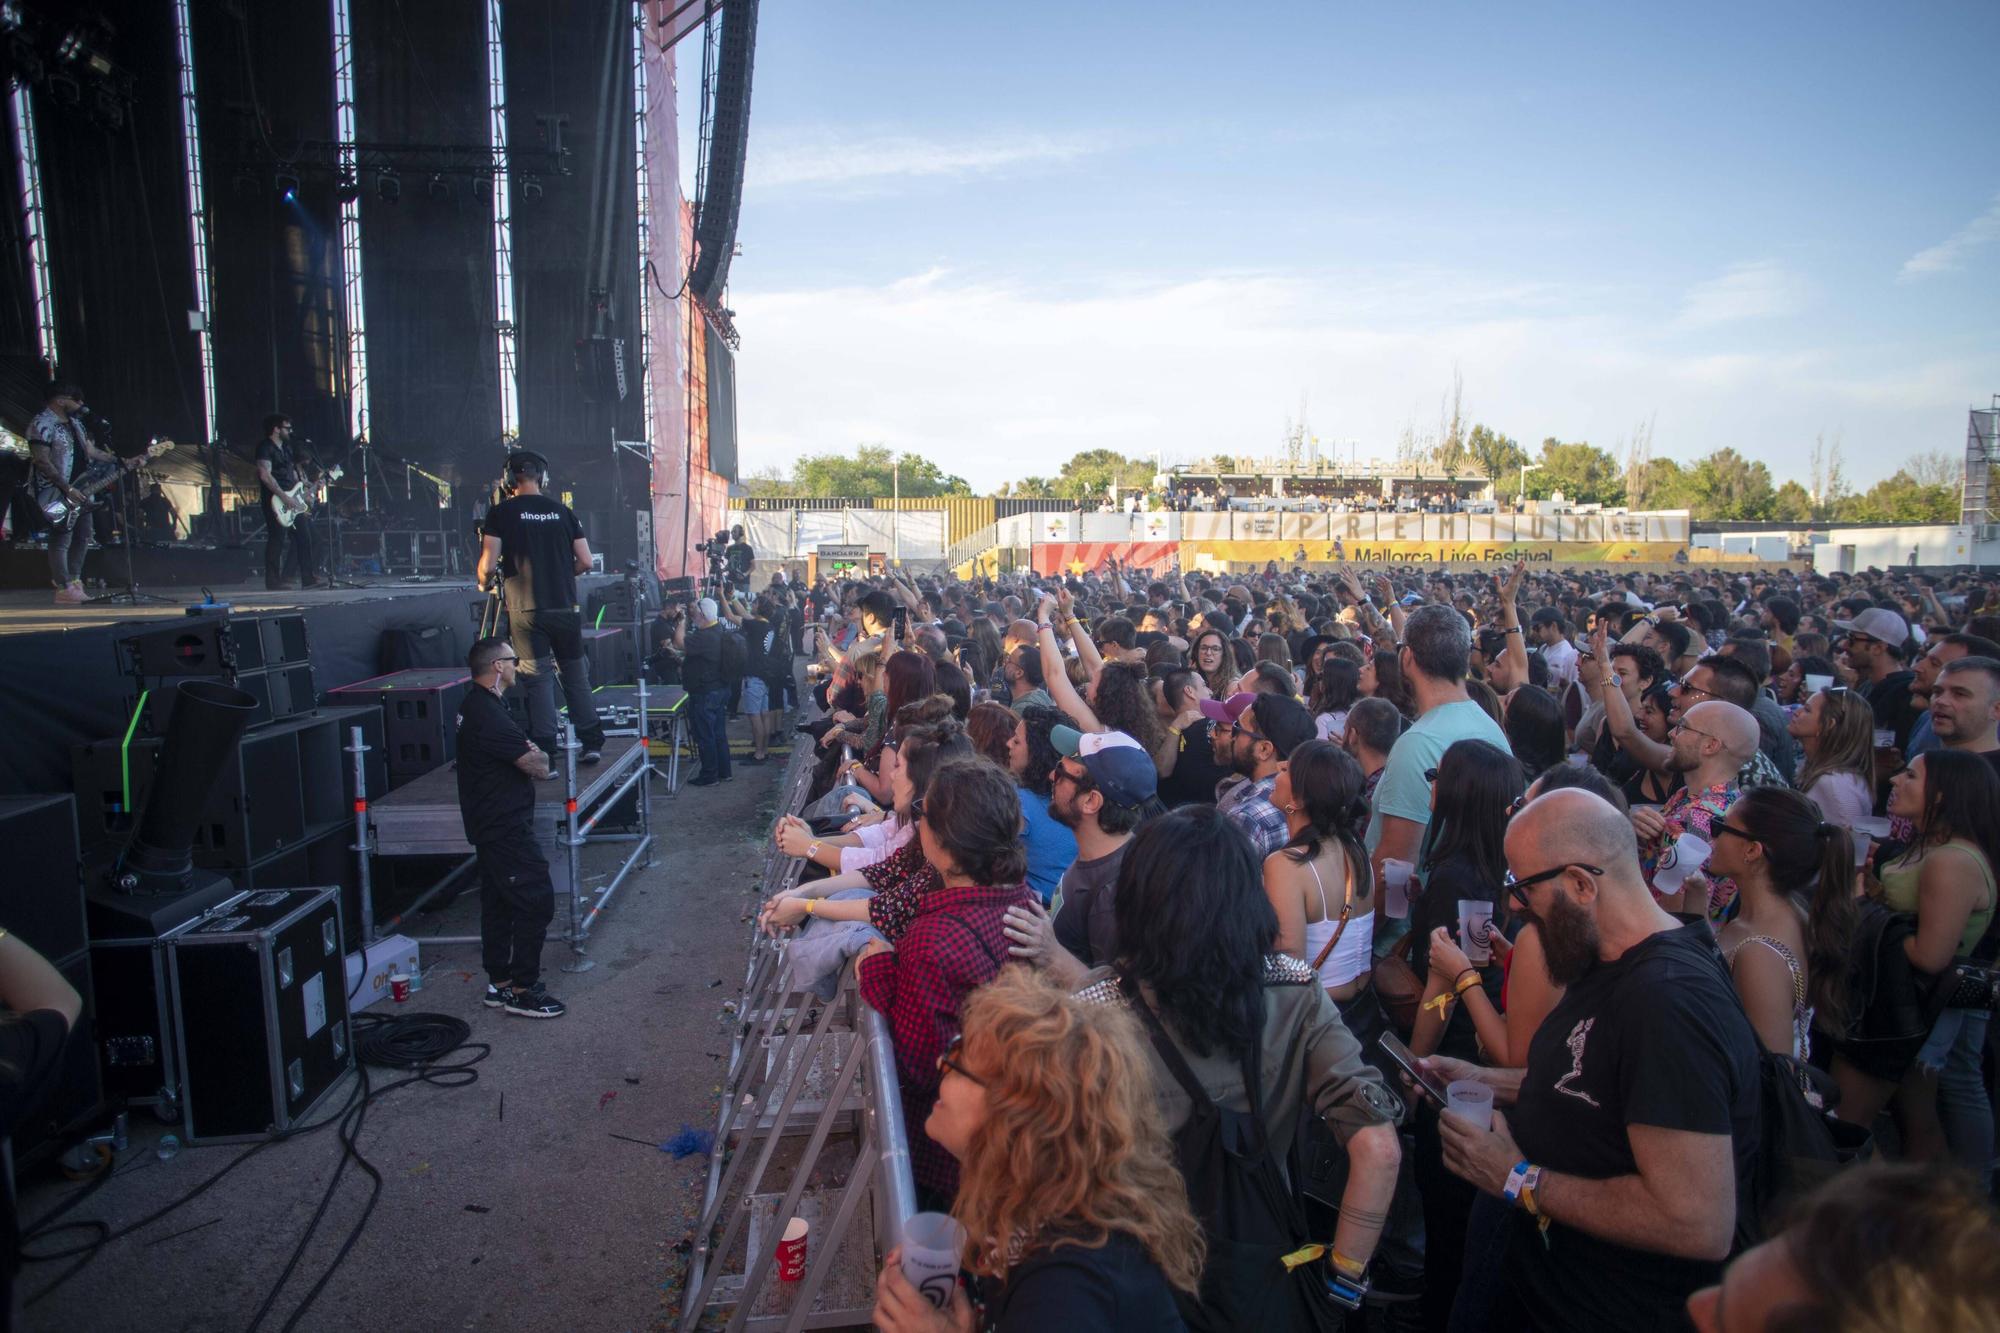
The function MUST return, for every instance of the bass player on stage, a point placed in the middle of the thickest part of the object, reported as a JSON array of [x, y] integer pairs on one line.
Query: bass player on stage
[[278, 474], [61, 448]]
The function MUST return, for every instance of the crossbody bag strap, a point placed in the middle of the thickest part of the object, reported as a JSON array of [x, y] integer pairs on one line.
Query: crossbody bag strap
[[977, 939], [1170, 1054], [1346, 911]]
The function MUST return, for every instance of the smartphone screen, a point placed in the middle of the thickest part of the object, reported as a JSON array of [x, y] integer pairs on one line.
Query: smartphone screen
[[1407, 1061]]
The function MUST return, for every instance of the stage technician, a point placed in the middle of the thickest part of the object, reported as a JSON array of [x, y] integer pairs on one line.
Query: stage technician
[[498, 767], [539, 547]]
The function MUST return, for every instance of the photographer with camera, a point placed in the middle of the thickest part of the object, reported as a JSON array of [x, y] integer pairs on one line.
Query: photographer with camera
[[538, 547], [737, 557]]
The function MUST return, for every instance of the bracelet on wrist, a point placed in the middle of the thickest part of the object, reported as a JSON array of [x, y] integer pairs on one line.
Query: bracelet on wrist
[[1465, 981]]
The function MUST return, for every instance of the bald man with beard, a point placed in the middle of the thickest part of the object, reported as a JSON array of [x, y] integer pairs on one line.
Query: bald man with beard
[[1711, 742], [1632, 1129]]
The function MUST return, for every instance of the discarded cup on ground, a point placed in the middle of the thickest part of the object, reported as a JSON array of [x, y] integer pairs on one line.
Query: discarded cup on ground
[[792, 1250], [1396, 888], [399, 986], [932, 1243], [1471, 1101]]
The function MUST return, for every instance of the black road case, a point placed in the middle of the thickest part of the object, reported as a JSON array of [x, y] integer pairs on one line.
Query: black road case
[[261, 1027]]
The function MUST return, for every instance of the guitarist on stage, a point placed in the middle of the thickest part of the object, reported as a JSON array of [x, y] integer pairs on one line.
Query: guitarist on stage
[[61, 448], [278, 475]]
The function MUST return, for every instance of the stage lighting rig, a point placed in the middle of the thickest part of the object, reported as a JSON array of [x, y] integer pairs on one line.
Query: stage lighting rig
[[388, 185], [288, 183], [531, 187], [440, 189]]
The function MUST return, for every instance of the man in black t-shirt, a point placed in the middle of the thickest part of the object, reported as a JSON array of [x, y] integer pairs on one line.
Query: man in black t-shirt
[[539, 547], [1629, 1137], [497, 769], [277, 475], [739, 558], [1878, 641]]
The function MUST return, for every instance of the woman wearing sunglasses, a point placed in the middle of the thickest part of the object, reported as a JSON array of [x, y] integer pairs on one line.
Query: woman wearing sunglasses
[[1074, 1210], [1836, 730], [1787, 947]]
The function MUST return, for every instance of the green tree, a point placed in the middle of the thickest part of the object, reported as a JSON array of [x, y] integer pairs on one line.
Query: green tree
[[1031, 488], [871, 472], [1794, 504], [1904, 499], [1583, 473], [1088, 475], [768, 482], [1662, 484], [1495, 456], [1726, 485]]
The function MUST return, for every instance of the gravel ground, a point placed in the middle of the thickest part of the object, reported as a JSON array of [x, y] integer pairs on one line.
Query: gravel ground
[[508, 1203]]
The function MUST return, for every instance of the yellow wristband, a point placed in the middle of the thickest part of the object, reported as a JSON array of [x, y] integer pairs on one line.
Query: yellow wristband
[[1441, 1002], [812, 906], [1465, 984]]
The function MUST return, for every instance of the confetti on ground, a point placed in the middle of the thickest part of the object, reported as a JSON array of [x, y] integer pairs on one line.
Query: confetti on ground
[[689, 1143], [606, 1100]]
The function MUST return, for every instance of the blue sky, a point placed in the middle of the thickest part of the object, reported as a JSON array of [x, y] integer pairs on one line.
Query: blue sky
[[998, 234]]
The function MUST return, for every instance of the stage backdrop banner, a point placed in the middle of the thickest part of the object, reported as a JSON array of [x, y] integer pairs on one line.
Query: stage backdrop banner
[[1215, 555], [1087, 557]]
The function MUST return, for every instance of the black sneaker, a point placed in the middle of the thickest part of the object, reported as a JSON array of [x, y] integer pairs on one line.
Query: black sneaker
[[534, 1002], [590, 756], [497, 996]]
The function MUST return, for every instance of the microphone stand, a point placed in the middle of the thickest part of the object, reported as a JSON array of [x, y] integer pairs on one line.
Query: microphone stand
[[129, 507], [333, 575]]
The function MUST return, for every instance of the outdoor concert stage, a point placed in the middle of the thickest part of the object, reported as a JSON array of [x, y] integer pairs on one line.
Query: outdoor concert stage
[[65, 684]]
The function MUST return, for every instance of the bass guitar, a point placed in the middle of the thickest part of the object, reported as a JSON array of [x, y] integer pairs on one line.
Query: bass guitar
[[61, 511], [306, 494]]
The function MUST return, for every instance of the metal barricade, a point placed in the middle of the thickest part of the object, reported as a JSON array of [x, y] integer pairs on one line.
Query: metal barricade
[[800, 1066]]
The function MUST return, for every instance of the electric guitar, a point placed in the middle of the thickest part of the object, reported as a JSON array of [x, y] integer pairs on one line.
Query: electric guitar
[[61, 511], [306, 494]]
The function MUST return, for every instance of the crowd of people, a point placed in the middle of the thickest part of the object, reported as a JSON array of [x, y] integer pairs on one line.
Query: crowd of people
[[1566, 950]]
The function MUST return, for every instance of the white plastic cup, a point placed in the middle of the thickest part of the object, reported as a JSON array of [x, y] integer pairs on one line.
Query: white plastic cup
[[932, 1244], [1885, 738], [1396, 888], [1471, 1101], [1814, 684], [1875, 826], [1690, 854]]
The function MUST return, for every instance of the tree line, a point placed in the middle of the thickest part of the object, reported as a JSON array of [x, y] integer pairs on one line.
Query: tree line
[[1718, 486]]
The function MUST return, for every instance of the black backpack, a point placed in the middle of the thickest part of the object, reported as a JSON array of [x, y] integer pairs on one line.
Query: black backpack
[[734, 659], [1250, 1217], [1799, 1144]]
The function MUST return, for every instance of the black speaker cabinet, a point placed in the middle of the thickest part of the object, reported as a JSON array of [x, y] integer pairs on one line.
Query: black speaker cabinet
[[375, 763], [419, 714], [285, 782], [217, 645], [41, 896], [259, 1012], [328, 858]]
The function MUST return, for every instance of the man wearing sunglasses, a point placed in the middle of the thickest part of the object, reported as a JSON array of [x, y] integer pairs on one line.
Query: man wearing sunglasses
[[1711, 743], [1252, 734], [1877, 640], [1628, 1138]]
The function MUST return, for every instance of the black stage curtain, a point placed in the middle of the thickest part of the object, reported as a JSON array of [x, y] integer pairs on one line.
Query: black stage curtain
[[427, 263], [119, 251], [20, 352], [264, 76], [575, 61]]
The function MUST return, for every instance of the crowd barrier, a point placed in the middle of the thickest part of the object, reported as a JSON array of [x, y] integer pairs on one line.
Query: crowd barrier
[[799, 1067]]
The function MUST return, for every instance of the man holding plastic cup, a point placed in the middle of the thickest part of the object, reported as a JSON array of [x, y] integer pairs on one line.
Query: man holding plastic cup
[[1711, 742], [1622, 1148]]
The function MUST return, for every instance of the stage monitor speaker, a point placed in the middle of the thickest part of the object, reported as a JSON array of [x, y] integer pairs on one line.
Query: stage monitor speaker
[[258, 1000], [41, 894], [609, 652], [419, 714], [375, 763], [216, 645]]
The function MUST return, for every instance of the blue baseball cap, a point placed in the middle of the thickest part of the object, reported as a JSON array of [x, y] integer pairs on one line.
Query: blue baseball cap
[[1117, 764]]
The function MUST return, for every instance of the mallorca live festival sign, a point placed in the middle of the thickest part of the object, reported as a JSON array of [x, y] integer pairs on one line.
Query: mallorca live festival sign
[[1392, 538]]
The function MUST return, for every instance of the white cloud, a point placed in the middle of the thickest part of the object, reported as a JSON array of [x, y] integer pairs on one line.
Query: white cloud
[[997, 381], [1950, 253], [824, 157], [1746, 291]]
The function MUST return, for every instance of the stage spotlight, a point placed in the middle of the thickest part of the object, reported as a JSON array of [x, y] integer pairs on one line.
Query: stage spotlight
[[482, 187], [389, 186], [531, 187], [288, 184], [440, 189], [65, 89]]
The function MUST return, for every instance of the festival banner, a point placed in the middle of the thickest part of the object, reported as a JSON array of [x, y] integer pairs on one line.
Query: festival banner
[[1217, 555], [1089, 557]]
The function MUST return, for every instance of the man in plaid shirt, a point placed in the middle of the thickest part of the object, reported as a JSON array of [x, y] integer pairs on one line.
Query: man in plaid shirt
[[1711, 743], [969, 821], [1252, 734]]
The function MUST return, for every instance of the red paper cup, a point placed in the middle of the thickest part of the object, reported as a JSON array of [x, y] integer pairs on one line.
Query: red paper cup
[[792, 1251], [399, 986]]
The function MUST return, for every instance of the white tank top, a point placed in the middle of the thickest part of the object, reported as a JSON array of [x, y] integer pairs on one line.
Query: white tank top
[[1355, 952]]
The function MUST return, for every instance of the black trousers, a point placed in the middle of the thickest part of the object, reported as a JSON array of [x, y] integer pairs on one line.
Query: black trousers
[[299, 538], [517, 901]]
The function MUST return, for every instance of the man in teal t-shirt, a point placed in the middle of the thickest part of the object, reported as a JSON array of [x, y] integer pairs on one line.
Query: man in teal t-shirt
[[1435, 656]]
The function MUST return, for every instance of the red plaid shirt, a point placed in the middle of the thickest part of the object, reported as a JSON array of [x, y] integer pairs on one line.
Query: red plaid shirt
[[918, 987]]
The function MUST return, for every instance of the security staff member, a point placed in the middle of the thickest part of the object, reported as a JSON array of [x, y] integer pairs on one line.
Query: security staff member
[[539, 547], [497, 770]]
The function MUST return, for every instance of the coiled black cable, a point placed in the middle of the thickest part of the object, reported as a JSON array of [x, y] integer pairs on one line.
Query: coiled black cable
[[419, 1042]]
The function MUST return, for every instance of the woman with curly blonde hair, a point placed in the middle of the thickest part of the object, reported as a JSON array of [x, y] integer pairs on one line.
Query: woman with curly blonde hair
[[1074, 1209]]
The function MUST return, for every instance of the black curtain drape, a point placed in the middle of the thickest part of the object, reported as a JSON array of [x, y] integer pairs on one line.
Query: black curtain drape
[[575, 61], [427, 262], [264, 79], [115, 202]]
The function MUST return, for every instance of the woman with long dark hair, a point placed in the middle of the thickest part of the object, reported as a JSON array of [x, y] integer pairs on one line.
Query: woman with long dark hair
[[1320, 883], [1338, 686], [1836, 731], [1946, 878], [1197, 963], [1788, 945], [1019, 746], [1209, 654], [1382, 678], [1533, 721]]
